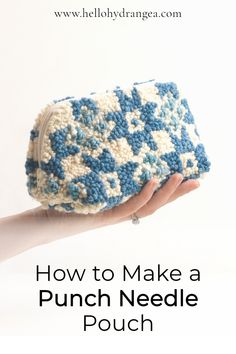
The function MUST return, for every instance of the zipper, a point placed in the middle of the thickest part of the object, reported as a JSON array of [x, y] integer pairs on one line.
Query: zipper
[[45, 119]]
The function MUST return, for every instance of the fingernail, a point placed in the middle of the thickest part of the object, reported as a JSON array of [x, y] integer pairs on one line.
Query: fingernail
[[179, 178], [155, 184]]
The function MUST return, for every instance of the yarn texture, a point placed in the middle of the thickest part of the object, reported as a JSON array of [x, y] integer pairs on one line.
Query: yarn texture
[[92, 153]]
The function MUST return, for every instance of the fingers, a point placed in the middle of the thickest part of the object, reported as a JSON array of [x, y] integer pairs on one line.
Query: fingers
[[134, 203], [162, 196], [184, 188], [148, 201]]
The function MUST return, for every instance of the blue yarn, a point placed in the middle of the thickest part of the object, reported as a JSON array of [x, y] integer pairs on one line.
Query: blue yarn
[[125, 173], [32, 182], [104, 163], [80, 136], [67, 206], [62, 150], [136, 139], [145, 176], [85, 117], [112, 182], [189, 163], [135, 122], [96, 192], [202, 161], [73, 190], [167, 87], [98, 137], [128, 104], [31, 166], [52, 186], [92, 143], [112, 201], [100, 127], [173, 161], [184, 144], [34, 134], [149, 158]]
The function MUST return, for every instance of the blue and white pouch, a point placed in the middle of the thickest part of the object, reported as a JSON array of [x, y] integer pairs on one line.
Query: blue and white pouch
[[92, 153]]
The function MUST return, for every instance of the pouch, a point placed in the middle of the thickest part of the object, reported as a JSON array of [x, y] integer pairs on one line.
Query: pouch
[[92, 153]]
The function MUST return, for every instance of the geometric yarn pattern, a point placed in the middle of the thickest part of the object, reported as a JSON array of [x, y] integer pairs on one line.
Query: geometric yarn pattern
[[92, 153]]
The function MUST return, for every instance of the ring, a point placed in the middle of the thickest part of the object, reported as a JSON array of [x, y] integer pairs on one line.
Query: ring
[[135, 219]]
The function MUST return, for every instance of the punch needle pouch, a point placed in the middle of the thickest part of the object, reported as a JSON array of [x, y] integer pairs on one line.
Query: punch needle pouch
[[92, 153]]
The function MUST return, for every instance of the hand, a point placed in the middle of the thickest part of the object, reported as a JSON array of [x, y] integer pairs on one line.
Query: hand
[[148, 201], [38, 226]]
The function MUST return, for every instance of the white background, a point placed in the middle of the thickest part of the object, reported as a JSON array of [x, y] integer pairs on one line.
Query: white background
[[43, 58]]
